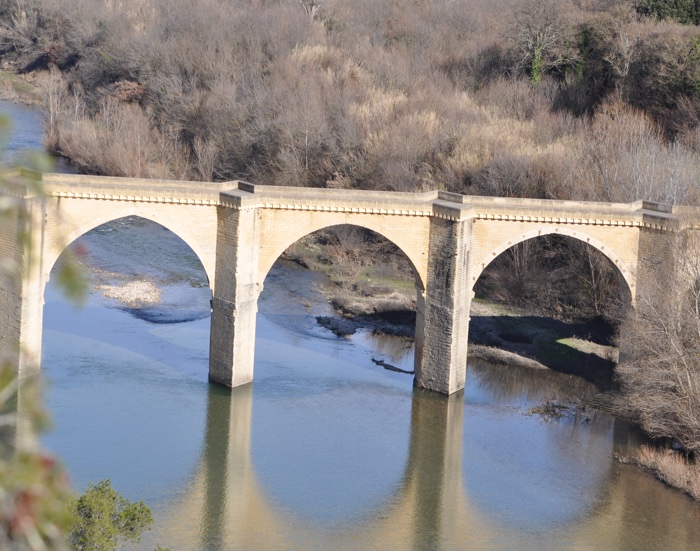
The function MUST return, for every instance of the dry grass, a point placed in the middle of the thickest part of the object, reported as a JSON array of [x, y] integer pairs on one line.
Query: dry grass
[[119, 141], [432, 95], [672, 468]]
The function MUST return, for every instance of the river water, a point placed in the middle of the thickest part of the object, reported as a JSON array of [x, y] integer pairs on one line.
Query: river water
[[325, 450]]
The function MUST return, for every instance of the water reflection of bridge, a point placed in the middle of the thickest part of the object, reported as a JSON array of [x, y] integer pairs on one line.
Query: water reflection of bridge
[[226, 502], [225, 506]]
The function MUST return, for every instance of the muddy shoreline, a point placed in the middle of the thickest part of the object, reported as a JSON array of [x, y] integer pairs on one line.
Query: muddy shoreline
[[508, 336]]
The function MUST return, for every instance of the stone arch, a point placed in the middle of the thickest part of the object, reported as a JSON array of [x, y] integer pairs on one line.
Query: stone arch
[[292, 237], [622, 269], [68, 237]]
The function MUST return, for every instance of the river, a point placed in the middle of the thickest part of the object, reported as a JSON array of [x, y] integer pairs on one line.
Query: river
[[326, 449]]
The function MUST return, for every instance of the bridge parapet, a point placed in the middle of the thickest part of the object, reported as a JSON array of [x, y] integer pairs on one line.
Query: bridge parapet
[[129, 189], [440, 204], [15, 184], [451, 206], [598, 206], [329, 200]]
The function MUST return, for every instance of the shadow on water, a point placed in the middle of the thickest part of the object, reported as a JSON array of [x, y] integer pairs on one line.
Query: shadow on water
[[546, 341], [513, 384]]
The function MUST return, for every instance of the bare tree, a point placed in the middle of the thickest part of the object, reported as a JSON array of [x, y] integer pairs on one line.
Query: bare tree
[[205, 152], [624, 47], [541, 37], [55, 95], [660, 368], [311, 7]]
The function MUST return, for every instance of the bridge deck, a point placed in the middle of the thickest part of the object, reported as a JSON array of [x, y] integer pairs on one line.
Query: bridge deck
[[238, 194]]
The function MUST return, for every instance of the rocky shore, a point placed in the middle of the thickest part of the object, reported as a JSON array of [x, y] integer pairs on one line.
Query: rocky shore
[[501, 335], [133, 294], [130, 291]]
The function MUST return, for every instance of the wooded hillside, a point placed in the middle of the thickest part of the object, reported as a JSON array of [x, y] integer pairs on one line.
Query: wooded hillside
[[541, 98]]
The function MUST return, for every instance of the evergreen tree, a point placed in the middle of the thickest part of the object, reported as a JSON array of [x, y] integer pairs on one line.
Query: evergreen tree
[[683, 11]]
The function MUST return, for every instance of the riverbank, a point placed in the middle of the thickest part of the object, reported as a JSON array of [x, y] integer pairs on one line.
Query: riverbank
[[504, 334], [372, 288], [498, 334], [673, 468], [26, 88]]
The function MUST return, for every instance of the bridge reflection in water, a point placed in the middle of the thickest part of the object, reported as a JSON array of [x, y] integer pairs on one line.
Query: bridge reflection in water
[[226, 506], [230, 508]]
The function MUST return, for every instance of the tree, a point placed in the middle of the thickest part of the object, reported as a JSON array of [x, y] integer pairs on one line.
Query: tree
[[542, 38], [104, 519], [311, 7], [623, 47], [683, 11], [660, 355]]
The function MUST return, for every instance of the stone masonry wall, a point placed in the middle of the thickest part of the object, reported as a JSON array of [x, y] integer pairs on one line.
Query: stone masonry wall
[[10, 287], [447, 301], [232, 341]]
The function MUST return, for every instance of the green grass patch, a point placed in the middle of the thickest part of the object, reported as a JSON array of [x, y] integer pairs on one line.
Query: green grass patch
[[17, 88], [369, 279], [557, 351]]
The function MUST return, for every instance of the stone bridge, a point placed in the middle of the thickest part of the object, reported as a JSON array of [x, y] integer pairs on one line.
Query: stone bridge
[[238, 230]]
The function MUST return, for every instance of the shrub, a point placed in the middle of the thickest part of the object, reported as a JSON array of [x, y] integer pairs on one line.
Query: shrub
[[104, 519]]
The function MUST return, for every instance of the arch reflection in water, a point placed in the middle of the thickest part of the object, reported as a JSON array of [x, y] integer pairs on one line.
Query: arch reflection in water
[[229, 504], [459, 488]]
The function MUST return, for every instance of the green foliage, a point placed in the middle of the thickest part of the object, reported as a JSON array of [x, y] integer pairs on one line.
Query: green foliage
[[536, 68], [333, 24], [104, 519], [683, 11], [35, 496], [694, 64], [70, 279], [34, 491]]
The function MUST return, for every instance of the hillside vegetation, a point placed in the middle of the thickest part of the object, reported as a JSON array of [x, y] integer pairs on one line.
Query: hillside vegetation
[[537, 98]]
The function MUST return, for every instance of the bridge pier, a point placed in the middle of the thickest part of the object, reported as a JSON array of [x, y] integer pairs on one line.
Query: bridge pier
[[441, 345], [21, 289], [235, 301]]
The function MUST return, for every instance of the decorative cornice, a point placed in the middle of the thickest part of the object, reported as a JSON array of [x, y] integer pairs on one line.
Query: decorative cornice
[[445, 214], [323, 208], [350, 210], [571, 221], [134, 198]]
